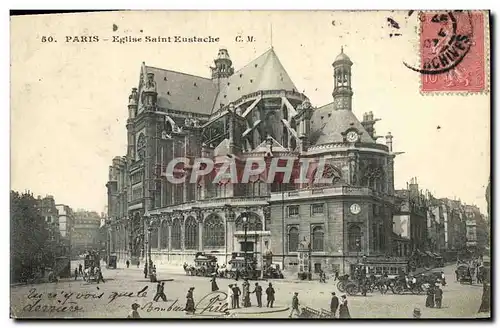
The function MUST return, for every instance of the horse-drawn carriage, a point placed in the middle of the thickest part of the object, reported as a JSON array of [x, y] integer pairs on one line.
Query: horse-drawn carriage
[[242, 268], [204, 266], [273, 271], [465, 273]]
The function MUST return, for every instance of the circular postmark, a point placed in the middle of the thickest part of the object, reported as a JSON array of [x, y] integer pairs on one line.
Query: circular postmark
[[445, 40]]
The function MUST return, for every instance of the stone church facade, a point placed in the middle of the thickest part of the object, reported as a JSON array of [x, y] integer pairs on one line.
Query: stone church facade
[[250, 113]]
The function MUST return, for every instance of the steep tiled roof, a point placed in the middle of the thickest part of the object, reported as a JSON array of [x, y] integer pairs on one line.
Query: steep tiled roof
[[264, 73], [327, 124], [184, 92], [190, 93]]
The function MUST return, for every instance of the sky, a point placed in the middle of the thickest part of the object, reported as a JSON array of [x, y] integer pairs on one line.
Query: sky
[[69, 100]]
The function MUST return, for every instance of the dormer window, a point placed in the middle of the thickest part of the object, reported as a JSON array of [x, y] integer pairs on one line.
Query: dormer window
[[194, 84]]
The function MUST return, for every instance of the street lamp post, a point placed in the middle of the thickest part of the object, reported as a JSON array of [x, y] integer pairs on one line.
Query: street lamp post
[[245, 227], [147, 217], [150, 262]]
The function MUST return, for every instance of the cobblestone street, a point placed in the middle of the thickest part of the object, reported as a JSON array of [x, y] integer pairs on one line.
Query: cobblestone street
[[113, 299]]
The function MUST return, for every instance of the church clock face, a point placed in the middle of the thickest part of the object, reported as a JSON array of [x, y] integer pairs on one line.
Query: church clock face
[[355, 209], [352, 136]]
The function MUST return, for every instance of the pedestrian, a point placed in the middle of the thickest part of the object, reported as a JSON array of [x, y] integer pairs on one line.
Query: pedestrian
[[295, 305], [443, 279], [163, 296], [230, 297], [80, 269], [270, 295], [237, 274], [456, 275], [99, 275], [214, 284], [190, 301], [236, 296], [127, 263], [145, 270], [76, 273], [258, 294], [138, 264], [438, 297], [336, 275], [158, 290], [416, 313], [334, 304], [246, 293], [344, 308], [134, 314], [429, 300]]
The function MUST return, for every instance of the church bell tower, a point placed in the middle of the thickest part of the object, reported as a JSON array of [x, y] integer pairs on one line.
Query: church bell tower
[[223, 65], [342, 90]]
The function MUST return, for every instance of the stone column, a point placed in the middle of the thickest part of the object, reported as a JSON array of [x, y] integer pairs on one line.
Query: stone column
[[200, 234]]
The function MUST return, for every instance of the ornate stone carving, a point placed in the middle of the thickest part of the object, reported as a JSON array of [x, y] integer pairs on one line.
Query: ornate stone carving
[[229, 212], [150, 85], [132, 99], [304, 245], [266, 210]]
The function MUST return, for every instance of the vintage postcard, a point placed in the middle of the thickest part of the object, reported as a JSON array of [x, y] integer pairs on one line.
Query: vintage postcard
[[251, 164]]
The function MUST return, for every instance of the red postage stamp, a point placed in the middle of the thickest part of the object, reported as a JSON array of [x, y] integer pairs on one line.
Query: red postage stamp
[[452, 51]]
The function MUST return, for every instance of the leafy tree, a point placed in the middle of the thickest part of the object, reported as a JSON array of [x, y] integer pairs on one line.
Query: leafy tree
[[30, 245]]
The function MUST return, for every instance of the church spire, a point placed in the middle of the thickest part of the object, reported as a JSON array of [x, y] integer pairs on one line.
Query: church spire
[[342, 91]]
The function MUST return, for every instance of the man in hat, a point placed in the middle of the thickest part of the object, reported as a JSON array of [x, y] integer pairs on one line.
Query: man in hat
[[295, 304], [416, 313], [270, 295], [134, 314], [334, 304], [438, 296], [258, 294], [236, 296]]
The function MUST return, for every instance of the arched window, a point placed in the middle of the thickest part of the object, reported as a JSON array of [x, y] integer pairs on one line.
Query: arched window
[[354, 239], [214, 234], [154, 237], [254, 222], [293, 239], [176, 234], [285, 137], [164, 235], [141, 146], [191, 233], [317, 239]]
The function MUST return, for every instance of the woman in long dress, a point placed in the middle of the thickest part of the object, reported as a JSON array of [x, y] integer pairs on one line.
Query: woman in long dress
[[214, 284], [344, 308], [429, 301], [190, 301]]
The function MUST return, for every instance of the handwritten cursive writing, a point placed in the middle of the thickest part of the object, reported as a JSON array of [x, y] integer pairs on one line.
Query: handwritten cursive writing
[[115, 295], [215, 302]]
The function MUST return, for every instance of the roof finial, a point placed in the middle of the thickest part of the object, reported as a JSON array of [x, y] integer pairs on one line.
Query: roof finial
[[271, 35], [341, 49]]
